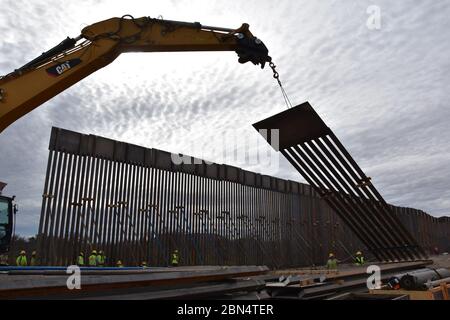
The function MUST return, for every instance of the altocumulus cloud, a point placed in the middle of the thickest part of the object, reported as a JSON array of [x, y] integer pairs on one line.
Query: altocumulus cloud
[[384, 92]]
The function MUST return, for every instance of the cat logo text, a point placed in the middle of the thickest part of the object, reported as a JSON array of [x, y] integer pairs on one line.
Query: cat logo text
[[62, 67]]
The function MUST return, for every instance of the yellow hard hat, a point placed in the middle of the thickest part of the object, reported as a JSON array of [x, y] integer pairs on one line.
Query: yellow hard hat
[[22, 252], [119, 262], [144, 263], [359, 253], [94, 252], [331, 255], [81, 254], [101, 251], [33, 253]]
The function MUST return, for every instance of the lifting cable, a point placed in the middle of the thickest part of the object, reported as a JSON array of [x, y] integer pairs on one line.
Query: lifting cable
[[283, 92]]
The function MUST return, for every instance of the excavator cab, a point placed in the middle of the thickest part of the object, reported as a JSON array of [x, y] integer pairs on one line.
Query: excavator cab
[[7, 210]]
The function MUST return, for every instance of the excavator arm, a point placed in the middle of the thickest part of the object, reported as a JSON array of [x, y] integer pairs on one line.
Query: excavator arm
[[101, 43]]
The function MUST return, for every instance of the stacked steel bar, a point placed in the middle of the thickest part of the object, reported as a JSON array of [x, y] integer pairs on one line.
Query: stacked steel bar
[[318, 155], [140, 283]]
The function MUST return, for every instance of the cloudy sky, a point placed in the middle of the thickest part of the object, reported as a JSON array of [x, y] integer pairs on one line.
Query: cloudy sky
[[385, 92]]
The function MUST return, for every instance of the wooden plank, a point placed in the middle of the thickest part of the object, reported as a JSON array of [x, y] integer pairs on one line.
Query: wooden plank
[[413, 295], [438, 293]]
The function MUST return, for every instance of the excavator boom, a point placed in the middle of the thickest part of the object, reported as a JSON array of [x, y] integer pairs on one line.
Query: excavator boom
[[99, 44]]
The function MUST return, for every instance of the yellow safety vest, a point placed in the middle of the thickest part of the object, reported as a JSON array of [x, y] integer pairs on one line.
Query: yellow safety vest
[[175, 258], [332, 264], [100, 259], [21, 261], [92, 260], [360, 260]]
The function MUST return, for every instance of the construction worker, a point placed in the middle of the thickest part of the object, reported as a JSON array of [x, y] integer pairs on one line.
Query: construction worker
[[332, 262], [359, 259], [93, 259], [3, 260], [175, 258], [33, 260], [119, 264], [101, 259], [21, 260], [80, 260]]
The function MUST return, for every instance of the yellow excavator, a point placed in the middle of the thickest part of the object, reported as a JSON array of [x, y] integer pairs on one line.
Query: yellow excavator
[[100, 43]]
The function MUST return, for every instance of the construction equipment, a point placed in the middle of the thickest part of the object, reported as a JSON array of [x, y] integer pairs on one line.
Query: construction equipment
[[418, 279], [421, 284], [99, 44], [7, 211]]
